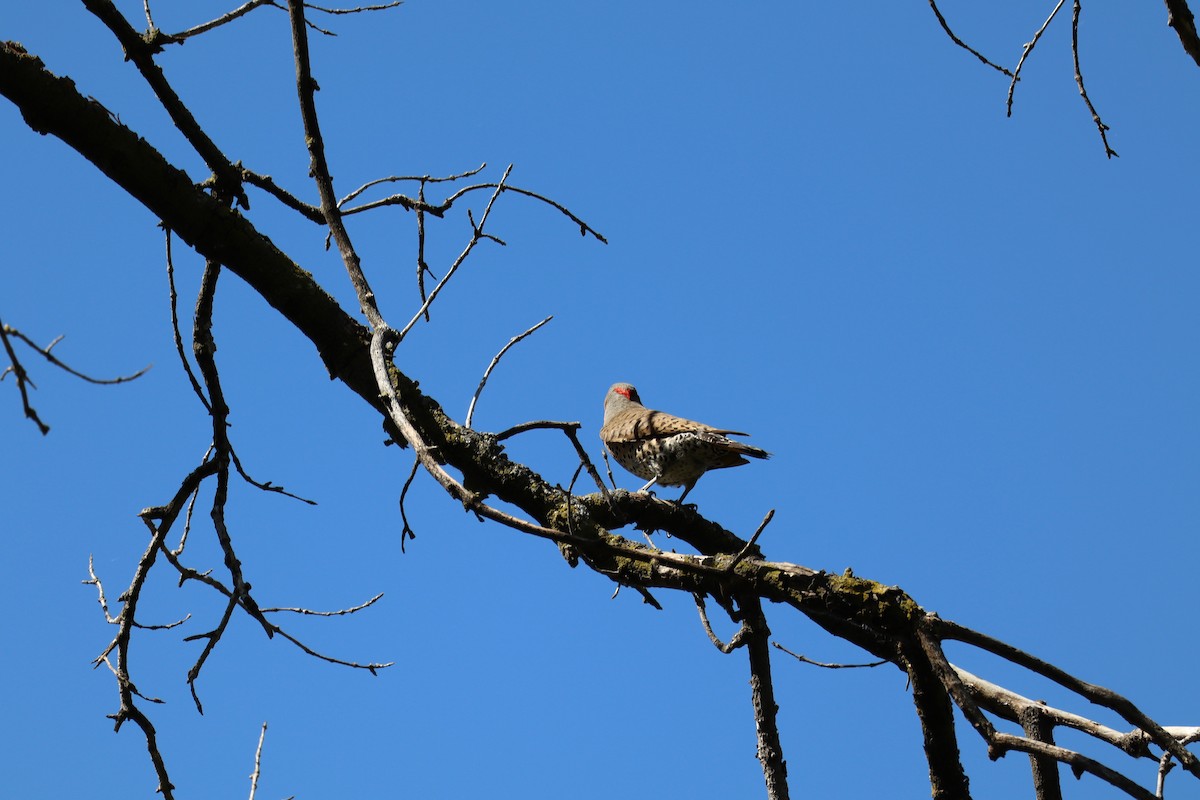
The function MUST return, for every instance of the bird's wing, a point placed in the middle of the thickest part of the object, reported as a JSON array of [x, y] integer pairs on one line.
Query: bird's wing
[[639, 426]]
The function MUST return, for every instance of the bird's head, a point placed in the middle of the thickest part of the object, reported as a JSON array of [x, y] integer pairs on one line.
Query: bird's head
[[620, 396]]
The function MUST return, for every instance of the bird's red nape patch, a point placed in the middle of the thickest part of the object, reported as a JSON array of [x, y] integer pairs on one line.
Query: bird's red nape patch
[[625, 391]]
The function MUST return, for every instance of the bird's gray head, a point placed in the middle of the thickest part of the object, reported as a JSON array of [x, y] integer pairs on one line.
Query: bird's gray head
[[620, 397]]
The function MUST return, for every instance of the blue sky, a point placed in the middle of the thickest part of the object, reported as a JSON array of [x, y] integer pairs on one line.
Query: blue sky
[[970, 342]]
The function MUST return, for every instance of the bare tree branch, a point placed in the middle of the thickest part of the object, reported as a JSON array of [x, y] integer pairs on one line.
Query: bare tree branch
[[24, 382], [1025, 51], [946, 27], [487, 372], [1100, 126], [1180, 17]]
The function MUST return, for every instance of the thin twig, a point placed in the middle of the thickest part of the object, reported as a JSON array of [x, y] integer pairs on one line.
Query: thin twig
[[534, 425], [422, 265], [355, 10], [1100, 126], [268, 185], [94, 581], [1012, 86], [245, 8], [174, 297], [340, 612], [571, 429], [22, 378], [487, 372], [742, 554], [257, 762], [267, 486], [407, 532], [319, 166], [825, 665], [476, 236], [372, 667], [738, 639], [946, 27], [422, 179], [45, 353], [584, 228]]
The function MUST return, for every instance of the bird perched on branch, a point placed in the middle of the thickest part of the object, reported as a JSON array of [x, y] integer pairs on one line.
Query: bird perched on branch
[[665, 449]]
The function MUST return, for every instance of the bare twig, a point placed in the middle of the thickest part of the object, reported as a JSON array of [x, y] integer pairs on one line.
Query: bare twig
[[264, 182], [319, 166], [571, 429], [241, 10], [1016, 75], [584, 228], [533, 425], [824, 665], [354, 10], [205, 349], [407, 532], [174, 296], [421, 179], [24, 382], [257, 762], [264, 486], [422, 265], [340, 612], [94, 581], [439, 210], [742, 554], [946, 27], [477, 235], [372, 667], [1100, 126], [246, 8], [737, 640], [22, 378], [45, 353], [608, 468], [487, 372]]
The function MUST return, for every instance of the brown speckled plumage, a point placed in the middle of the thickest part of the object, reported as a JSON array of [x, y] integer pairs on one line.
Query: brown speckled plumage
[[663, 448]]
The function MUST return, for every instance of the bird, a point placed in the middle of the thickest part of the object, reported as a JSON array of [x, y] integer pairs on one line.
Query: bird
[[665, 449]]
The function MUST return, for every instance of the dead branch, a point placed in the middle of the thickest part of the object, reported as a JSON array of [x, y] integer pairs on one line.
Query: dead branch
[[954, 38], [1025, 51], [477, 235], [1180, 17], [824, 665], [257, 762], [141, 52], [487, 372], [319, 169], [24, 382], [1100, 126]]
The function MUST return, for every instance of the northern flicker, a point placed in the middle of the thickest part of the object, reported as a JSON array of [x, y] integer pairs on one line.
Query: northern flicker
[[665, 449]]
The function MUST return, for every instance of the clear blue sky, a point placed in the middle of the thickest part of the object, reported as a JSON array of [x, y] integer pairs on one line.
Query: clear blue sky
[[971, 343]]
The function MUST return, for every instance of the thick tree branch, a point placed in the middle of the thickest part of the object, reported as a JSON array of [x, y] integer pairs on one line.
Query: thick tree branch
[[141, 50], [1180, 17]]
